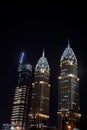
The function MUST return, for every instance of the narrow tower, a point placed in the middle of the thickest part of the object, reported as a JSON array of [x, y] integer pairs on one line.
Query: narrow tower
[[39, 113], [20, 110], [68, 100]]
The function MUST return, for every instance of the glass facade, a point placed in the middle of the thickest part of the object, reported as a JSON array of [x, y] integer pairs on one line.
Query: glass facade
[[20, 110], [68, 90], [39, 113]]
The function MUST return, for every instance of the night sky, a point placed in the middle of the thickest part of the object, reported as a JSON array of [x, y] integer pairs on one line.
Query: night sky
[[32, 28]]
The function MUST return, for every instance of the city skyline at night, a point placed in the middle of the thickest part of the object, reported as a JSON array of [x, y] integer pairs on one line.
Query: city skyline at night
[[15, 121], [32, 28]]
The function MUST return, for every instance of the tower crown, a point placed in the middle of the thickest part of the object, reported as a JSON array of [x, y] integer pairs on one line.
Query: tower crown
[[68, 54], [42, 64]]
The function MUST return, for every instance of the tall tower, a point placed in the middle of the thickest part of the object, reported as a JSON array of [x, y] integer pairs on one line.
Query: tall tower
[[20, 110], [68, 100], [39, 113]]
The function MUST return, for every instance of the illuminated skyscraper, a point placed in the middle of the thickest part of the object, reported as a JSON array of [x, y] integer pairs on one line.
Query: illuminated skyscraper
[[20, 110], [39, 113], [68, 108]]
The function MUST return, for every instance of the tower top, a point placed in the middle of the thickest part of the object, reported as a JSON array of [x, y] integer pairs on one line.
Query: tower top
[[68, 43], [42, 63], [22, 57], [68, 54], [43, 54]]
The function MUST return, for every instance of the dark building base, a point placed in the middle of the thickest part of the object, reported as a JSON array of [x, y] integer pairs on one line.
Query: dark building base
[[43, 128]]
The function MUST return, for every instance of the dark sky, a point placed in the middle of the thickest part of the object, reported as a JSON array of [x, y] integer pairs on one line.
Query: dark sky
[[32, 28]]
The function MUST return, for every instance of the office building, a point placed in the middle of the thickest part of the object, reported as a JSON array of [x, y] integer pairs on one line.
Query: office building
[[39, 113], [22, 95], [68, 93]]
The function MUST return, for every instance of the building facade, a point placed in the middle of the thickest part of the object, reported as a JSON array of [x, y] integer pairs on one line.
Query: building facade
[[39, 113], [6, 126], [68, 93], [20, 110]]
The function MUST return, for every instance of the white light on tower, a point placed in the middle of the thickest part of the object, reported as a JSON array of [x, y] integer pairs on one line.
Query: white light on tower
[[21, 59]]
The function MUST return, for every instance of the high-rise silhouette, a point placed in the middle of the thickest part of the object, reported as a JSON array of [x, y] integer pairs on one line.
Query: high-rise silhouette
[[39, 113], [20, 110], [68, 93]]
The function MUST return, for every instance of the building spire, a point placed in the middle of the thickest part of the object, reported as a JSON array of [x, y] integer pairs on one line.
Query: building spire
[[68, 43], [21, 58], [43, 53]]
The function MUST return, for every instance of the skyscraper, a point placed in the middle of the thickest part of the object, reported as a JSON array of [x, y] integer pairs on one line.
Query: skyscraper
[[20, 110], [39, 113], [68, 105]]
